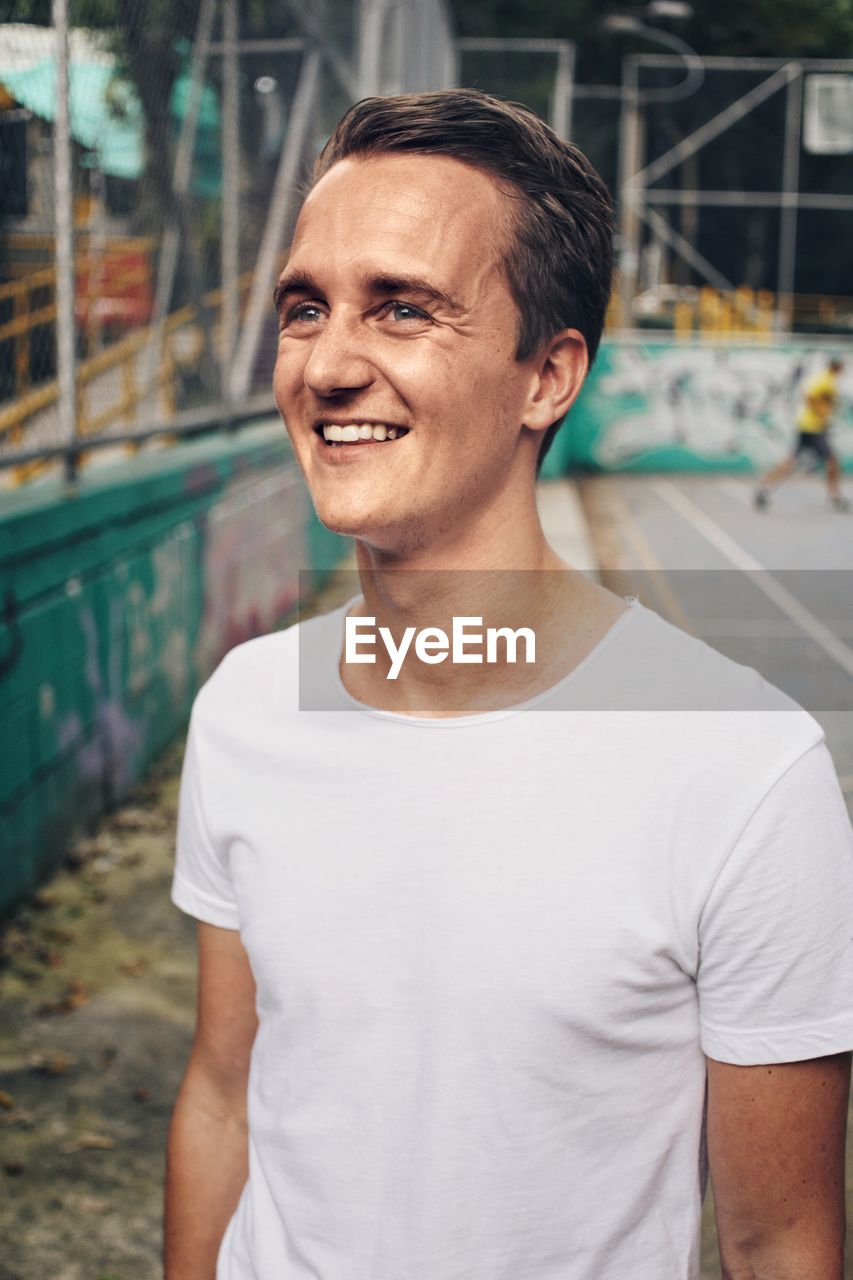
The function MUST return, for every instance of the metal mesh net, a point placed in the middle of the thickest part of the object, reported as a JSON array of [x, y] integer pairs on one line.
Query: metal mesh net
[[192, 130]]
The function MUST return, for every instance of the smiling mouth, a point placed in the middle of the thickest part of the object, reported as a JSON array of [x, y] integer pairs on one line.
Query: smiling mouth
[[356, 433]]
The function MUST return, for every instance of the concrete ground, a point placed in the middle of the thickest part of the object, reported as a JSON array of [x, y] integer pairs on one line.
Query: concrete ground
[[97, 973]]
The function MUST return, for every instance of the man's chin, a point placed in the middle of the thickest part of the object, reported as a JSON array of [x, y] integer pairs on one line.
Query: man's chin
[[380, 535], [347, 522]]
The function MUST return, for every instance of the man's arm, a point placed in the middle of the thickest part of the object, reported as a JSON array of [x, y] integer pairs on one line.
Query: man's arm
[[207, 1152], [776, 1137]]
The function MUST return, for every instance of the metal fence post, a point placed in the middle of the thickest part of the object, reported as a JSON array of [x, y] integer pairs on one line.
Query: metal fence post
[[168, 262], [283, 199], [64, 191], [630, 195], [230, 261], [561, 103], [790, 194], [371, 24]]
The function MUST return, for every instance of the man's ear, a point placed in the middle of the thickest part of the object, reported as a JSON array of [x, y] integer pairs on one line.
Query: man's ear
[[558, 375]]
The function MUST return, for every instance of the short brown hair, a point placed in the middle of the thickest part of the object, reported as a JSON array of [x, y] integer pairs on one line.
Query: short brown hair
[[560, 260]]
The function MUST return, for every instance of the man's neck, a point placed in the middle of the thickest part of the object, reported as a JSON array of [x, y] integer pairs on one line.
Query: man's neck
[[528, 587]]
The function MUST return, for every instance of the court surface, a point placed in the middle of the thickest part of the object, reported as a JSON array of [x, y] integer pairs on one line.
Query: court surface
[[772, 589]]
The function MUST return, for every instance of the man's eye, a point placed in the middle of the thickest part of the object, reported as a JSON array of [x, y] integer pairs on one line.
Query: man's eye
[[404, 311], [303, 311]]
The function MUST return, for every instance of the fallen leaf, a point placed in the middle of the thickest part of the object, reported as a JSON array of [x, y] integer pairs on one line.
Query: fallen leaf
[[52, 1064], [56, 933], [142, 1095], [134, 967], [134, 819], [90, 1142], [83, 850], [75, 996], [92, 1204], [13, 1167], [20, 1118], [108, 1056], [7, 1102], [15, 942]]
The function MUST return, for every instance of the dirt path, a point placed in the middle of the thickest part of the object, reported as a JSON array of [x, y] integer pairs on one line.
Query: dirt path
[[97, 988]]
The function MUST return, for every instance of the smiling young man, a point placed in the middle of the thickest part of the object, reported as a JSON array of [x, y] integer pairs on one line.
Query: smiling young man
[[495, 957]]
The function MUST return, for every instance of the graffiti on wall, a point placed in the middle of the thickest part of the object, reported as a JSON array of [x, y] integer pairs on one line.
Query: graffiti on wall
[[712, 405], [253, 547]]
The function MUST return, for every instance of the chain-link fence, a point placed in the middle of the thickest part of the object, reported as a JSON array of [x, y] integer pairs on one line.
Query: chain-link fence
[[737, 195], [191, 128]]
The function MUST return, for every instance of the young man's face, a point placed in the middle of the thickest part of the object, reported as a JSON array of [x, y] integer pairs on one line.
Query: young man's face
[[394, 311]]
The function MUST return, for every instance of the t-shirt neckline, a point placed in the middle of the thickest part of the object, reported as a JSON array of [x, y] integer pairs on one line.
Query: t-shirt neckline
[[482, 717]]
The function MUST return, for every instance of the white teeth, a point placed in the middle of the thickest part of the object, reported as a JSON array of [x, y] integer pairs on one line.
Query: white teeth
[[353, 432]]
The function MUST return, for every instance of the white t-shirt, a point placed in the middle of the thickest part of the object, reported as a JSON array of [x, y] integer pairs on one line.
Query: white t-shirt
[[491, 951]]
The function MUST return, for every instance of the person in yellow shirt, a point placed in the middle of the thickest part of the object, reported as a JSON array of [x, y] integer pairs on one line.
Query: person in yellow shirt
[[819, 402]]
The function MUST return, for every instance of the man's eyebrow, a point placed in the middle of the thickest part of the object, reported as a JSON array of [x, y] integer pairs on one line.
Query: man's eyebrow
[[385, 284], [293, 282], [381, 284]]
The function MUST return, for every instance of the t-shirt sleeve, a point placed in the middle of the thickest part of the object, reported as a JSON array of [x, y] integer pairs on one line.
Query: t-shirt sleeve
[[201, 885], [775, 976]]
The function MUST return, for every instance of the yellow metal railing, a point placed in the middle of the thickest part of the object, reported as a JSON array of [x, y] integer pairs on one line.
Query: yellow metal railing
[[122, 355], [30, 314], [741, 312]]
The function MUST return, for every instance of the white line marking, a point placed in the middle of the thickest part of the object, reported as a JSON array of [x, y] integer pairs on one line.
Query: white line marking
[[638, 542], [761, 577]]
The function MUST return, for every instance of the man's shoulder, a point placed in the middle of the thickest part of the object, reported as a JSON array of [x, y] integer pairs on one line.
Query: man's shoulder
[[657, 666], [261, 675], [706, 716]]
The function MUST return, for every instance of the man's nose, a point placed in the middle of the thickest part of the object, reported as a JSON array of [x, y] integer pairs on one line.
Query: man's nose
[[339, 360]]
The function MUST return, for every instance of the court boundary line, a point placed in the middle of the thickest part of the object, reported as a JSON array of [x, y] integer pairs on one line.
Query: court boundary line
[[649, 562]]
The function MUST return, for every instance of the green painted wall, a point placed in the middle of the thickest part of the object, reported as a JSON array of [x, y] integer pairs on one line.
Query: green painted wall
[[116, 602], [659, 405]]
